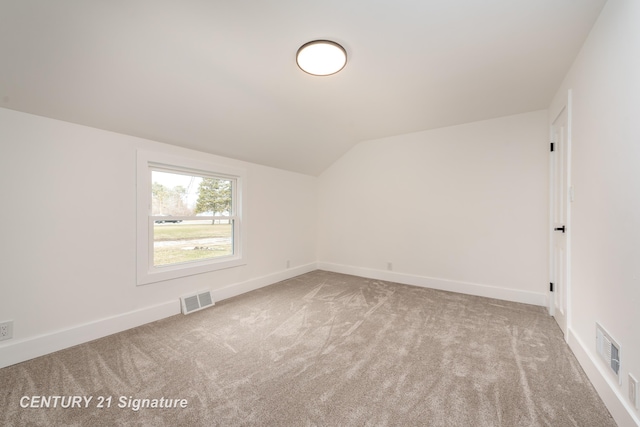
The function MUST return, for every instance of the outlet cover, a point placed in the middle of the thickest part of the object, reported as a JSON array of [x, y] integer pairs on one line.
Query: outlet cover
[[6, 330]]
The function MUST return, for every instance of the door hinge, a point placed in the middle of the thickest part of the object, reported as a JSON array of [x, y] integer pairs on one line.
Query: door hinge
[[550, 287], [552, 147]]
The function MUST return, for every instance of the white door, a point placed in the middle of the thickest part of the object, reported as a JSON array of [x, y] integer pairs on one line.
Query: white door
[[560, 209]]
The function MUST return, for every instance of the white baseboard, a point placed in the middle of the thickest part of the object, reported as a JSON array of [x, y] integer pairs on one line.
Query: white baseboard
[[513, 295], [607, 387], [29, 348], [260, 282]]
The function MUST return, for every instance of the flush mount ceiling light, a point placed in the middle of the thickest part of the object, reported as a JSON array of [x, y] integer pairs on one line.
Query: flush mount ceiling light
[[321, 57]]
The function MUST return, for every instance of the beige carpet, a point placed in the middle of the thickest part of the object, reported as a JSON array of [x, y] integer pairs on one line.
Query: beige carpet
[[320, 349]]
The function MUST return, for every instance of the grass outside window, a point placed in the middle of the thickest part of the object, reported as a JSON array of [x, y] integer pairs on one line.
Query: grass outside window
[[191, 241]]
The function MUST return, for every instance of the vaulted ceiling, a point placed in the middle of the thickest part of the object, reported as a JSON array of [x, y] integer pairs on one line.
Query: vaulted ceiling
[[221, 77]]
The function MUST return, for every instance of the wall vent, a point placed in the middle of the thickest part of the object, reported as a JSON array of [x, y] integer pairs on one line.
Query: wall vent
[[195, 302], [609, 350]]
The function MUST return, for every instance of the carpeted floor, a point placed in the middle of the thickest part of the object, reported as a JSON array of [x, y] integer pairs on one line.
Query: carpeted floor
[[320, 349]]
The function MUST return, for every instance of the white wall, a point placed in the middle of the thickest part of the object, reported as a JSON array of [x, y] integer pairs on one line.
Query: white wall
[[68, 224], [463, 208], [605, 84]]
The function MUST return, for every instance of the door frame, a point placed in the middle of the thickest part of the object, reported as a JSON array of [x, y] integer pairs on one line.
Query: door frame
[[555, 114]]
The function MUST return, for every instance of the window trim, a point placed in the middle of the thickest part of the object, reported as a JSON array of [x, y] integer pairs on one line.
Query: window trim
[[148, 161]]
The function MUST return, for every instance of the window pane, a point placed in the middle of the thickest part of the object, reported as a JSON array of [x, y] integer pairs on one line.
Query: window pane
[[178, 198], [191, 240], [176, 194], [214, 197], [173, 194]]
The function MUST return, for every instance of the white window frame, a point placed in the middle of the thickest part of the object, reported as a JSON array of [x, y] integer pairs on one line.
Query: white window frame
[[148, 161]]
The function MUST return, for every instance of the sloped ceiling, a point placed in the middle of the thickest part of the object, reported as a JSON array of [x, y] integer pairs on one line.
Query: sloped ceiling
[[220, 76]]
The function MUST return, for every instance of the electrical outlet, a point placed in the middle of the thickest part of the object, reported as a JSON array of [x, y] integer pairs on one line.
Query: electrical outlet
[[390, 266], [6, 330], [633, 391]]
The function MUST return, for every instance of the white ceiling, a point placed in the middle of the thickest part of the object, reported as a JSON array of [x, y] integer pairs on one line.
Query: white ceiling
[[220, 76]]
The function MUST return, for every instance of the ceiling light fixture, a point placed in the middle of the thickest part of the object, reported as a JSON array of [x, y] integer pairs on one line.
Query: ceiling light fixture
[[321, 57]]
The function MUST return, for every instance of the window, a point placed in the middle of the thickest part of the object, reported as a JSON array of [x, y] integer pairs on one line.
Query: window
[[189, 217]]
